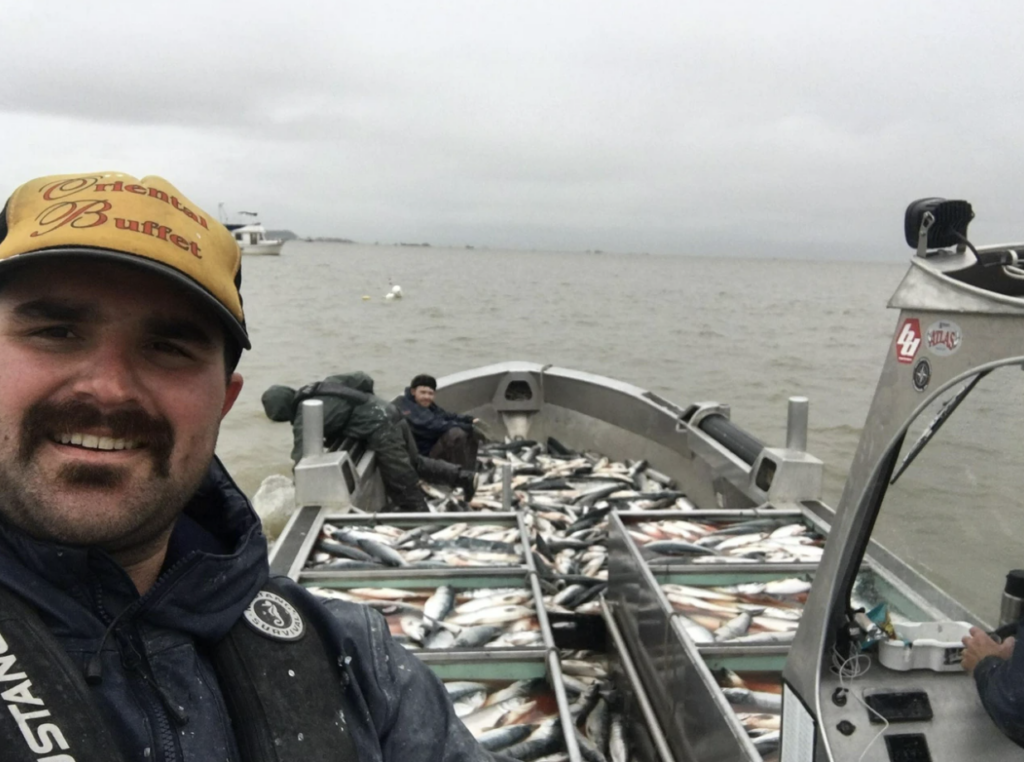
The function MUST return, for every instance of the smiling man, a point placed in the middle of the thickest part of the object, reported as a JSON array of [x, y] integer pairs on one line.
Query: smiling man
[[111, 393], [137, 617]]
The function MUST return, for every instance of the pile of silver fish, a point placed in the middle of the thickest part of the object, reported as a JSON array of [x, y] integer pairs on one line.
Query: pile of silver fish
[[760, 540], [552, 473], [519, 719], [757, 700], [566, 499], [601, 729], [383, 546], [450, 618], [751, 612]]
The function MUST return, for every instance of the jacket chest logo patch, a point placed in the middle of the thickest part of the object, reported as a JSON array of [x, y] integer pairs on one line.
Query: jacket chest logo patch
[[273, 616]]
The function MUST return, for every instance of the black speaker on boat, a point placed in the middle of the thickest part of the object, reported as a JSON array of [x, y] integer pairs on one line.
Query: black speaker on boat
[[946, 221]]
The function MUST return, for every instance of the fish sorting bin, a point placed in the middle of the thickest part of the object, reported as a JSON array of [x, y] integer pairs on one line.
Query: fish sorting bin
[[756, 701], [629, 722], [487, 664], [698, 721], [765, 609], [292, 554], [500, 673], [460, 604], [736, 538], [424, 542]]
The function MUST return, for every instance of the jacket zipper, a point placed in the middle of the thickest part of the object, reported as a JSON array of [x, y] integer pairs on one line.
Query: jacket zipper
[[154, 701], [167, 747]]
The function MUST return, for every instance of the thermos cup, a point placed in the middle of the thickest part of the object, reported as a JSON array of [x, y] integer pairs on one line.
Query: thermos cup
[[1013, 598]]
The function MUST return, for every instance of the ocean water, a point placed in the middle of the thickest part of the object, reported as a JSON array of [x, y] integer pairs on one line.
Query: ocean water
[[746, 332], [749, 333]]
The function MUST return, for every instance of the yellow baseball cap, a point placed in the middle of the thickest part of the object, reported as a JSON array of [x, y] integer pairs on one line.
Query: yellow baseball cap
[[147, 222]]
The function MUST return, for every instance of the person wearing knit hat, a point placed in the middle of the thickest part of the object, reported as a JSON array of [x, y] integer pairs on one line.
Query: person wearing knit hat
[[439, 434], [136, 604]]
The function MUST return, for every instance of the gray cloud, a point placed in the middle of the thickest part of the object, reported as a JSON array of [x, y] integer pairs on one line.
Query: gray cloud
[[739, 127]]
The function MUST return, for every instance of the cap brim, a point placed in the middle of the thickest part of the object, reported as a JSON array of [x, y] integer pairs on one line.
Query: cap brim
[[236, 329]]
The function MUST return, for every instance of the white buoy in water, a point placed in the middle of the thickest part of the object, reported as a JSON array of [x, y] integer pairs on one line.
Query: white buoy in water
[[389, 297], [397, 291]]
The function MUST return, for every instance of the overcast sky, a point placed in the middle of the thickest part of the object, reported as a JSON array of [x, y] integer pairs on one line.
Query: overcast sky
[[747, 128]]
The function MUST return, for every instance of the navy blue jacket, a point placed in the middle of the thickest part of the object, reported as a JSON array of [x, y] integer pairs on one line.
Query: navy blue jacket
[[1001, 688], [217, 561], [428, 424]]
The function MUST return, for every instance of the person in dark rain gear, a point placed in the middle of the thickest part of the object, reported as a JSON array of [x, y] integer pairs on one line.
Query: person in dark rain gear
[[352, 410]]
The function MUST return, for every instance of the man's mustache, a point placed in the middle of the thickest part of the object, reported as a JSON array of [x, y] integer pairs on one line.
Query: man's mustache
[[45, 420]]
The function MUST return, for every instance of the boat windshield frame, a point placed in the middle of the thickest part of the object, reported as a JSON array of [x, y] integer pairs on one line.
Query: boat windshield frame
[[969, 379], [944, 414]]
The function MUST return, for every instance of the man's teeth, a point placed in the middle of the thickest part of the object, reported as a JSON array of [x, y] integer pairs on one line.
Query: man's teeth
[[93, 442]]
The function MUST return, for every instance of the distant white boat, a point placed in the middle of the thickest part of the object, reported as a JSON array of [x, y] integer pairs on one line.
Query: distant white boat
[[252, 236], [252, 239]]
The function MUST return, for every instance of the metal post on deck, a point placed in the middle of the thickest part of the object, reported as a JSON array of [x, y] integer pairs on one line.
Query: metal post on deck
[[796, 425], [506, 487], [312, 428]]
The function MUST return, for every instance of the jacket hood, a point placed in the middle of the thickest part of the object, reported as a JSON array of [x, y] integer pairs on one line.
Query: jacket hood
[[279, 403], [357, 379], [215, 565]]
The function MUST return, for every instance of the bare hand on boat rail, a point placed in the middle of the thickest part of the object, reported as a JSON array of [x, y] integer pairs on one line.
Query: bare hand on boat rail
[[980, 644]]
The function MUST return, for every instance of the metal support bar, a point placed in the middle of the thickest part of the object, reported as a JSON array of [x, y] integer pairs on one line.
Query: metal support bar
[[568, 728], [312, 428], [524, 538], [506, 487], [796, 424], [922, 234], [292, 548]]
